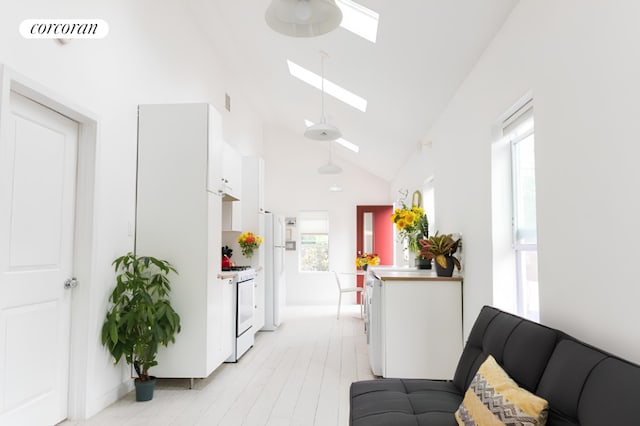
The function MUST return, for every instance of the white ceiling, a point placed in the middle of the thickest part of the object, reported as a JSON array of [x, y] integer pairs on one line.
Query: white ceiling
[[424, 50]]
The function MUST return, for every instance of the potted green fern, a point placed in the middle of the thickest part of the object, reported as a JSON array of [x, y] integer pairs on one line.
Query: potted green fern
[[140, 317]]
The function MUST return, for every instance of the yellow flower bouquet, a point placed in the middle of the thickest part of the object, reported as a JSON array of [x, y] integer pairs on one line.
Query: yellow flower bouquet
[[366, 259], [248, 243], [412, 225]]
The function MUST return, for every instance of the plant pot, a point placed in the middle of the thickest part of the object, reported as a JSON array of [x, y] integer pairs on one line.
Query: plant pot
[[422, 263], [445, 272], [144, 389]]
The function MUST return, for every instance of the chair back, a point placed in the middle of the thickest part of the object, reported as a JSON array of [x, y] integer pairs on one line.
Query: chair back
[[341, 284], [338, 280]]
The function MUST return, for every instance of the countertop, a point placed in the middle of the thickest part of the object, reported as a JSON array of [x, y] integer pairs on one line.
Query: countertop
[[398, 273]]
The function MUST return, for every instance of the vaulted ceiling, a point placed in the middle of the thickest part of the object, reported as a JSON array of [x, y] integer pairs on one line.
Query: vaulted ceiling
[[423, 52]]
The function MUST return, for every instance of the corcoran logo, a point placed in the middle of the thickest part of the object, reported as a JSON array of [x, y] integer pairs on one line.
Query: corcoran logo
[[64, 28]]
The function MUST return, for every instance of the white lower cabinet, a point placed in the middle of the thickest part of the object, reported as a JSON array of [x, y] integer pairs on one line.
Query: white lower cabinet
[[421, 322]]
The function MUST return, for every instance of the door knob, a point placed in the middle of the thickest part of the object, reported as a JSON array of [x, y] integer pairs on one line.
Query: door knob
[[71, 283]]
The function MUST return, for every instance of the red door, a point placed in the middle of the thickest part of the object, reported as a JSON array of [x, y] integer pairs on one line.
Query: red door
[[381, 229]]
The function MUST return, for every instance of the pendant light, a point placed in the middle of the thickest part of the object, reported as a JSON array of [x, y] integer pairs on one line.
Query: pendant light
[[303, 18], [322, 131], [330, 168]]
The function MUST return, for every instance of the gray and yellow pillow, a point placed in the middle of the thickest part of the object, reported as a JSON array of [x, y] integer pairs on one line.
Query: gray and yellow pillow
[[493, 398]]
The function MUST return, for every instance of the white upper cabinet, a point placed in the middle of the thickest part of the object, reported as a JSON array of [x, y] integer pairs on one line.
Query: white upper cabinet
[[231, 179], [252, 187], [214, 151]]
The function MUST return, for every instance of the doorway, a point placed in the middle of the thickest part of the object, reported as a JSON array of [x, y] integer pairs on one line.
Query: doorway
[[47, 158], [374, 234]]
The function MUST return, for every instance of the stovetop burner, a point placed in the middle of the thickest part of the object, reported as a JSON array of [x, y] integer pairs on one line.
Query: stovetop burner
[[236, 268]]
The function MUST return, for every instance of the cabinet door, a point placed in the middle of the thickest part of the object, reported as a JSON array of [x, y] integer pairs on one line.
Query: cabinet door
[[231, 171], [258, 292], [214, 151], [422, 331], [171, 215], [252, 191], [228, 317], [260, 167]]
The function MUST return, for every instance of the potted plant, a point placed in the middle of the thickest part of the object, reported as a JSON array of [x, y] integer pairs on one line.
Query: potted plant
[[441, 248], [365, 259], [140, 317]]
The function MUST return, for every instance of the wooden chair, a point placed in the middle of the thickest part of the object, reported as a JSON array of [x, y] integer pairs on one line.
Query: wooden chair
[[348, 289]]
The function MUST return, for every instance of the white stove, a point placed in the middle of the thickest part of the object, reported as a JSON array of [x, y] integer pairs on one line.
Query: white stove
[[244, 282]]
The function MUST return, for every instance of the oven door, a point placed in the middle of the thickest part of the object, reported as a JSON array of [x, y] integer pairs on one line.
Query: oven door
[[245, 306]]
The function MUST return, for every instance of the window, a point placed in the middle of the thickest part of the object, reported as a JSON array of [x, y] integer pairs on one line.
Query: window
[[314, 241], [519, 131], [359, 19], [330, 88], [514, 231]]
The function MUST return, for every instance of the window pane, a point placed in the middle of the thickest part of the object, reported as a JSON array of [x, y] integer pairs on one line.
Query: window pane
[[528, 281], [524, 191], [314, 252]]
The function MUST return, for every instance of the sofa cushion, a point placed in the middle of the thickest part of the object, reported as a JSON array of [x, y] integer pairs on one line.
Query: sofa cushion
[[527, 351], [493, 398], [565, 377], [472, 356], [521, 346], [404, 402], [611, 394]]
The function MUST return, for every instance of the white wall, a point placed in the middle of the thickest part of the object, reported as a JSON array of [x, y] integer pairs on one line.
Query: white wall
[[138, 62], [578, 59], [292, 184]]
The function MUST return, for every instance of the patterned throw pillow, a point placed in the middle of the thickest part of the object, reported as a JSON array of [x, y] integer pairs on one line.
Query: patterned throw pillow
[[493, 398]]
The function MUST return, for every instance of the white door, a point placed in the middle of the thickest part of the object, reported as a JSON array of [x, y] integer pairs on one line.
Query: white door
[[37, 204]]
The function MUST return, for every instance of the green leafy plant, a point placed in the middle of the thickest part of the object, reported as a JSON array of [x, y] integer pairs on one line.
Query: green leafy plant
[[141, 316], [441, 248]]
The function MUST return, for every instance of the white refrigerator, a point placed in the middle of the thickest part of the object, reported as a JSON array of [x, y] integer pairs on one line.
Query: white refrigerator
[[274, 273]]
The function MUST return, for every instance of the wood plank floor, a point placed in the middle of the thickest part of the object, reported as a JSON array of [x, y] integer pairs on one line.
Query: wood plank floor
[[297, 375]]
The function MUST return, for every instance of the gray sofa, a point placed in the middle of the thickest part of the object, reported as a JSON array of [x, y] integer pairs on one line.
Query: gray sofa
[[583, 385]]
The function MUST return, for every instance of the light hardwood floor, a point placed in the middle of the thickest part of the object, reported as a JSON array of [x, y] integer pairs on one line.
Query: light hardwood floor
[[297, 375]]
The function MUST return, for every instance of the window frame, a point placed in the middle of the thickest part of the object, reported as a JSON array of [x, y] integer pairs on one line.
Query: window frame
[[519, 248]]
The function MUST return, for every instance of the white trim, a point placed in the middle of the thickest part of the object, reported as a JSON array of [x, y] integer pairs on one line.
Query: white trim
[[84, 230]]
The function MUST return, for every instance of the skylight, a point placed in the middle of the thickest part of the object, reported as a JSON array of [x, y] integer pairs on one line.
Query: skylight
[[330, 88], [359, 20], [345, 143]]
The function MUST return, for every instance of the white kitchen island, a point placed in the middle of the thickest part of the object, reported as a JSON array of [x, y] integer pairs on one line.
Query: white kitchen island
[[414, 323]]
